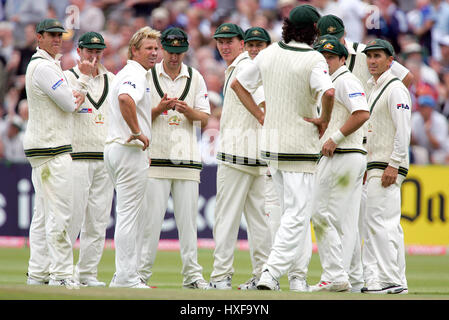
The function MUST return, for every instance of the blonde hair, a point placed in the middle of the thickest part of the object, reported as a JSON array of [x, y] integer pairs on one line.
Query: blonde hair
[[139, 36]]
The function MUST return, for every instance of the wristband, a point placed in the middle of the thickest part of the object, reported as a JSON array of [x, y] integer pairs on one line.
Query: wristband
[[337, 137], [136, 134]]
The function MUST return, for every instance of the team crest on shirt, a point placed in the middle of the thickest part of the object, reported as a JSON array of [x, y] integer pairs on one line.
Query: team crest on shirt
[[99, 119], [174, 121]]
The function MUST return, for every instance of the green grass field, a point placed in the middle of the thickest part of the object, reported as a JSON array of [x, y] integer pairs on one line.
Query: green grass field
[[428, 279]]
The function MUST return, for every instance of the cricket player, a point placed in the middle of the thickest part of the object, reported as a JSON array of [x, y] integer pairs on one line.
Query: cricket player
[[388, 143], [48, 143], [125, 153], [257, 39], [175, 158], [294, 76], [93, 199], [240, 180], [339, 178], [356, 62]]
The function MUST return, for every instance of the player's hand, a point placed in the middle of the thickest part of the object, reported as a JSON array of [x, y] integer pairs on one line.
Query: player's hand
[[328, 148], [320, 123], [389, 176], [79, 98], [143, 138], [87, 67], [167, 103], [182, 107]]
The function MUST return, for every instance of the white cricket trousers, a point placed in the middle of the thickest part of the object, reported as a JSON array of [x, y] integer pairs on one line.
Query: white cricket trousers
[[92, 210], [383, 252], [293, 237], [273, 211], [239, 192], [335, 212], [128, 168], [51, 254], [185, 195]]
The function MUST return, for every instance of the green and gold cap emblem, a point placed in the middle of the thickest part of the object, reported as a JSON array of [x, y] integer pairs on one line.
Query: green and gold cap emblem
[[49, 25], [175, 40]]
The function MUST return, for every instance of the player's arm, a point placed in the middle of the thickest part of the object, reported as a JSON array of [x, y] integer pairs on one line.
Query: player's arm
[[129, 113], [56, 87], [402, 73], [320, 82], [129, 93], [193, 115], [198, 114], [352, 96], [247, 100], [246, 83], [165, 104]]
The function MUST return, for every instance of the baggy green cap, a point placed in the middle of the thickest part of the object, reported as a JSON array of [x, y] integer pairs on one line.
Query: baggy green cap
[[49, 25], [257, 34], [329, 43], [175, 40], [228, 30], [331, 24], [304, 15], [91, 40], [379, 44]]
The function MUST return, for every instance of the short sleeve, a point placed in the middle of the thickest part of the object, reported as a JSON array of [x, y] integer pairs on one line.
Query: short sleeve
[[320, 80], [351, 94], [134, 88], [201, 98]]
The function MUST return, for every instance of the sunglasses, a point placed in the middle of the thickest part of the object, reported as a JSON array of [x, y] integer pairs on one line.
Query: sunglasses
[[174, 37]]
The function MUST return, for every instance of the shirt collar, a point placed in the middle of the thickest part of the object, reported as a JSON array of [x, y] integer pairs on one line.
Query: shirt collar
[[183, 73], [101, 70], [350, 47], [138, 66], [381, 79], [239, 58], [297, 44], [339, 71], [46, 55]]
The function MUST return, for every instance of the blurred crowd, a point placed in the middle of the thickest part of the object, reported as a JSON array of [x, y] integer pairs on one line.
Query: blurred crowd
[[418, 30]]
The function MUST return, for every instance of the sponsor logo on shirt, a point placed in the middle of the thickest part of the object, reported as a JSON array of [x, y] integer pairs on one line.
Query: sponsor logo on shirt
[[147, 90], [85, 110], [130, 83], [57, 84], [402, 106], [205, 96], [356, 94]]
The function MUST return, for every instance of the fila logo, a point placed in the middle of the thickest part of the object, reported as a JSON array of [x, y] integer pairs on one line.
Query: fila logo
[[403, 106], [130, 83]]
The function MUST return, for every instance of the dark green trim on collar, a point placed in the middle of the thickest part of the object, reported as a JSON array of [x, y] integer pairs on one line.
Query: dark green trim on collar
[[340, 75], [159, 89], [380, 93], [98, 104], [287, 47]]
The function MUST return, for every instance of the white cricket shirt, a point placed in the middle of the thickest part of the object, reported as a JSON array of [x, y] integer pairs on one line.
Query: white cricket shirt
[[133, 80]]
